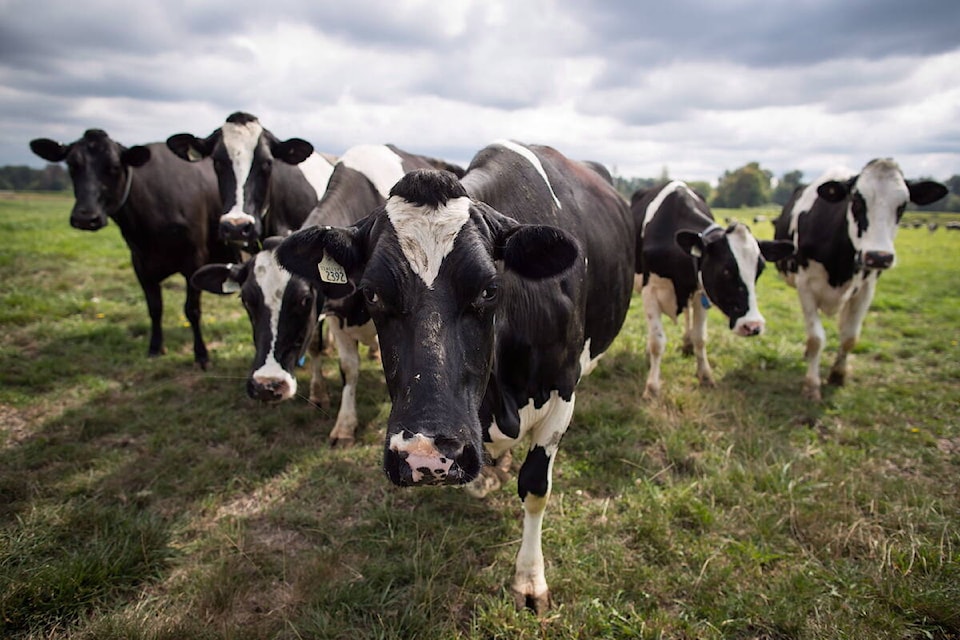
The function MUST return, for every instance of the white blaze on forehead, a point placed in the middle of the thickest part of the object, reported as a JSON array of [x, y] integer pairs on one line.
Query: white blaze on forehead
[[657, 202], [426, 235], [240, 141], [884, 191], [378, 162], [272, 280], [746, 252], [532, 159]]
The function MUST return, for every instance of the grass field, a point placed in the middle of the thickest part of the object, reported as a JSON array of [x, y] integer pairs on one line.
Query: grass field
[[143, 498]]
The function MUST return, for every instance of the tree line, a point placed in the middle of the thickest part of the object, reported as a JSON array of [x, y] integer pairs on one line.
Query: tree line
[[749, 186]]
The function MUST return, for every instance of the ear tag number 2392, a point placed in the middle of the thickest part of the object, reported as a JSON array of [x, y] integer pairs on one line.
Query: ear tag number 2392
[[331, 271]]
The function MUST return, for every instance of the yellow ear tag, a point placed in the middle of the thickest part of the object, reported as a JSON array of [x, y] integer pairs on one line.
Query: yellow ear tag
[[331, 271]]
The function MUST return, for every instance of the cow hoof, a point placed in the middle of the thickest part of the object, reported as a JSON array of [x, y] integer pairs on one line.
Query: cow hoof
[[687, 349], [156, 353], [812, 392], [538, 603], [651, 392], [837, 378], [489, 480], [320, 401], [343, 442], [707, 381]]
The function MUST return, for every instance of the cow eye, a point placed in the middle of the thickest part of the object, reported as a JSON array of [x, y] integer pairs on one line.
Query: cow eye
[[488, 295], [370, 295]]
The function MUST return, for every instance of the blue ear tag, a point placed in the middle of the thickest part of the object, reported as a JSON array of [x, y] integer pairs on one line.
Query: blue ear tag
[[705, 301], [301, 361]]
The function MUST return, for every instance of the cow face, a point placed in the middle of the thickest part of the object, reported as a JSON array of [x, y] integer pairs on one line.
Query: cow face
[[875, 201], [429, 264], [730, 261], [282, 312], [100, 170], [243, 155]]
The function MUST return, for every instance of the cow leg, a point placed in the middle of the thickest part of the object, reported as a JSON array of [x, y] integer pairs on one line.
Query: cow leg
[[533, 485], [154, 297], [815, 340], [192, 311], [849, 323], [698, 338], [656, 340], [348, 352], [687, 347], [318, 385]]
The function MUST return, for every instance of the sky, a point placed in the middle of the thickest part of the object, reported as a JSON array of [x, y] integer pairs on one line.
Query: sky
[[685, 88]]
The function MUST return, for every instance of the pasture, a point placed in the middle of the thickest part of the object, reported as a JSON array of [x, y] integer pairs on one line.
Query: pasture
[[143, 498]]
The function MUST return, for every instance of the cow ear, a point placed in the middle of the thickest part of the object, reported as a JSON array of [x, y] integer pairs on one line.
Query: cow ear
[[219, 278], [776, 250], [536, 252], [691, 242], [135, 156], [188, 147], [324, 256], [926, 192], [48, 149], [292, 151], [834, 191]]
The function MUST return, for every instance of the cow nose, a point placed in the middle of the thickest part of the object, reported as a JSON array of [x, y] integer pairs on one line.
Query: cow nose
[[878, 259], [417, 459], [86, 220], [750, 328], [268, 389], [237, 231]]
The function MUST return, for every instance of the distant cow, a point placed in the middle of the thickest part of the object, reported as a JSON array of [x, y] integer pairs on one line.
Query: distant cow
[[280, 305], [491, 298], [167, 211], [268, 186], [843, 227], [686, 261]]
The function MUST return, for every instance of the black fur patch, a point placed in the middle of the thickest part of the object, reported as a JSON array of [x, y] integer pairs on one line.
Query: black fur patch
[[428, 187], [239, 117], [533, 474]]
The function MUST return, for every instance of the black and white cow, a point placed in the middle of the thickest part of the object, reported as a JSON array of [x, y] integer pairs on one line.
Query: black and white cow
[[268, 186], [491, 297], [278, 303], [843, 227], [167, 212], [685, 260]]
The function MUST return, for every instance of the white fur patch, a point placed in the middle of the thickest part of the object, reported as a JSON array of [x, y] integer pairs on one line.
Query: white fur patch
[[317, 170], [426, 234], [378, 162], [810, 195], [532, 159], [657, 202], [240, 141]]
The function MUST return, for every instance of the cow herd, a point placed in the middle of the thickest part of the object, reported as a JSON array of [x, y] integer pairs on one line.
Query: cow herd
[[487, 292]]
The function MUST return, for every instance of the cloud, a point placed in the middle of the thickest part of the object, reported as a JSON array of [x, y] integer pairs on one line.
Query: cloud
[[694, 86]]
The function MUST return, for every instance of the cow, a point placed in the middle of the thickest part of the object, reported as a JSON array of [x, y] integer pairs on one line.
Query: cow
[[267, 186], [843, 227], [492, 296], [167, 212], [685, 261], [279, 304]]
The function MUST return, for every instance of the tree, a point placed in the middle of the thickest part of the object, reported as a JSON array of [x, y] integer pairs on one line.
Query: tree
[[786, 186], [748, 186]]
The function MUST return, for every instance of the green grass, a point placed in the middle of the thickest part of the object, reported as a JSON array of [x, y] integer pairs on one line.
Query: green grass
[[143, 498]]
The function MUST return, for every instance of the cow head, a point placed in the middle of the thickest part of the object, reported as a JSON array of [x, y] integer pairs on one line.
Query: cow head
[[729, 262], [876, 200], [282, 312], [243, 155], [101, 172], [429, 264]]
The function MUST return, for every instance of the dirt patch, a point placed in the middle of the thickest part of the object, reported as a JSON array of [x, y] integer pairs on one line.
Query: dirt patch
[[950, 446]]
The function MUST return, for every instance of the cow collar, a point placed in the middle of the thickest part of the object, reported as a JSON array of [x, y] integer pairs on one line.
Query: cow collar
[[126, 189]]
